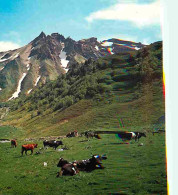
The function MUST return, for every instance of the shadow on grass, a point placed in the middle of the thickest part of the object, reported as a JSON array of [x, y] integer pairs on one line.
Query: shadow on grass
[[119, 143], [84, 140]]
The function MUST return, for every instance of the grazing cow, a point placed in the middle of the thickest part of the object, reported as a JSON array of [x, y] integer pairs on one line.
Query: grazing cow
[[127, 136], [13, 143], [72, 134], [91, 134], [27, 147], [139, 135], [52, 143]]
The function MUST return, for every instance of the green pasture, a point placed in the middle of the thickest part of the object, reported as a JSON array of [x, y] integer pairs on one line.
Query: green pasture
[[129, 169]]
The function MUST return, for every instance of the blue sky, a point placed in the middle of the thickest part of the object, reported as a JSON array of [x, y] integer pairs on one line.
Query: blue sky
[[22, 20]]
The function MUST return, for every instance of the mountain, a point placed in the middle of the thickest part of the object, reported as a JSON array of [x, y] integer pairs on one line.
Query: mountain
[[118, 45], [94, 94], [47, 57]]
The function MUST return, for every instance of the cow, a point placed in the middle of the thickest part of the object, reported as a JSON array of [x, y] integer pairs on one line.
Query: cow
[[139, 135], [13, 143], [82, 165], [52, 143], [127, 136], [67, 168], [72, 134], [27, 147], [91, 134], [90, 164]]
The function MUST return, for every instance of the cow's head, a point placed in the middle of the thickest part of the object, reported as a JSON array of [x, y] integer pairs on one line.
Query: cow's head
[[62, 162], [96, 159], [35, 145]]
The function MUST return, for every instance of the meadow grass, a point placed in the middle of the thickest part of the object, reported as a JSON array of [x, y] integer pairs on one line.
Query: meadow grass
[[129, 169]]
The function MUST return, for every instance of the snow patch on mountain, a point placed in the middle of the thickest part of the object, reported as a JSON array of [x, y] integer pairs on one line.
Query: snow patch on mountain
[[16, 94], [3, 60], [106, 43], [137, 48], [1, 68], [64, 62], [37, 80], [13, 57], [16, 56], [29, 91], [28, 67], [96, 47]]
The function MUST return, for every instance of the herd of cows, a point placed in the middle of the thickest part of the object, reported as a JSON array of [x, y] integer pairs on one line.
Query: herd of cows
[[73, 168]]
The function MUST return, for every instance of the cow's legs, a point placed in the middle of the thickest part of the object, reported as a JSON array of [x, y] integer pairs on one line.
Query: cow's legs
[[60, 173], [31, 152]]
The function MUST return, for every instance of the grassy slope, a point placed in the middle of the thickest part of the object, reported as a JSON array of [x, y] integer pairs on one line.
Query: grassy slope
[[129, 169], [137, 114]]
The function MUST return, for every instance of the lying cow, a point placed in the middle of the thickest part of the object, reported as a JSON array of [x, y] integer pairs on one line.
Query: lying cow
[[67, 168], [72, 134], [90, 164], [83, 165], [127, 136], [13, 143], [52, 143], [27, 147]]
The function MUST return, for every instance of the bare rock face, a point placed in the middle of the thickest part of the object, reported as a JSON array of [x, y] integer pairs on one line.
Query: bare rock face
[[48, 56]]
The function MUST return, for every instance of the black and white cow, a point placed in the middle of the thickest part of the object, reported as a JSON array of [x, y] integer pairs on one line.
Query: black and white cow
[[52, 143], [127, 136], [72, 168]]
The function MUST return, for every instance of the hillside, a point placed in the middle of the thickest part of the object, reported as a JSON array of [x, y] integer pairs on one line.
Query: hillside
[[47, 57], [119, 92], [96, 95]]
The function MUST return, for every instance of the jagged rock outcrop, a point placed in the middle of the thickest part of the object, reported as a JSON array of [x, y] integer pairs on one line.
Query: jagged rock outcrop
[[48, 56]]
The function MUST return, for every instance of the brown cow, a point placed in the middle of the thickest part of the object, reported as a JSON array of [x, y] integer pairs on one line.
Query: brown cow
[[13, 143], [72, 134], [27, 147], [67, 168]]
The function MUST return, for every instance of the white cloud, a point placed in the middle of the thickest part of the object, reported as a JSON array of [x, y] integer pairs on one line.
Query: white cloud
[[139, 14], [7, 45]]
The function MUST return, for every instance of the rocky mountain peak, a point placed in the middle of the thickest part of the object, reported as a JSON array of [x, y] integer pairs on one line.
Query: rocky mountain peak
[[42, 35], [38, 39], [58, 37], [48, 56]]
